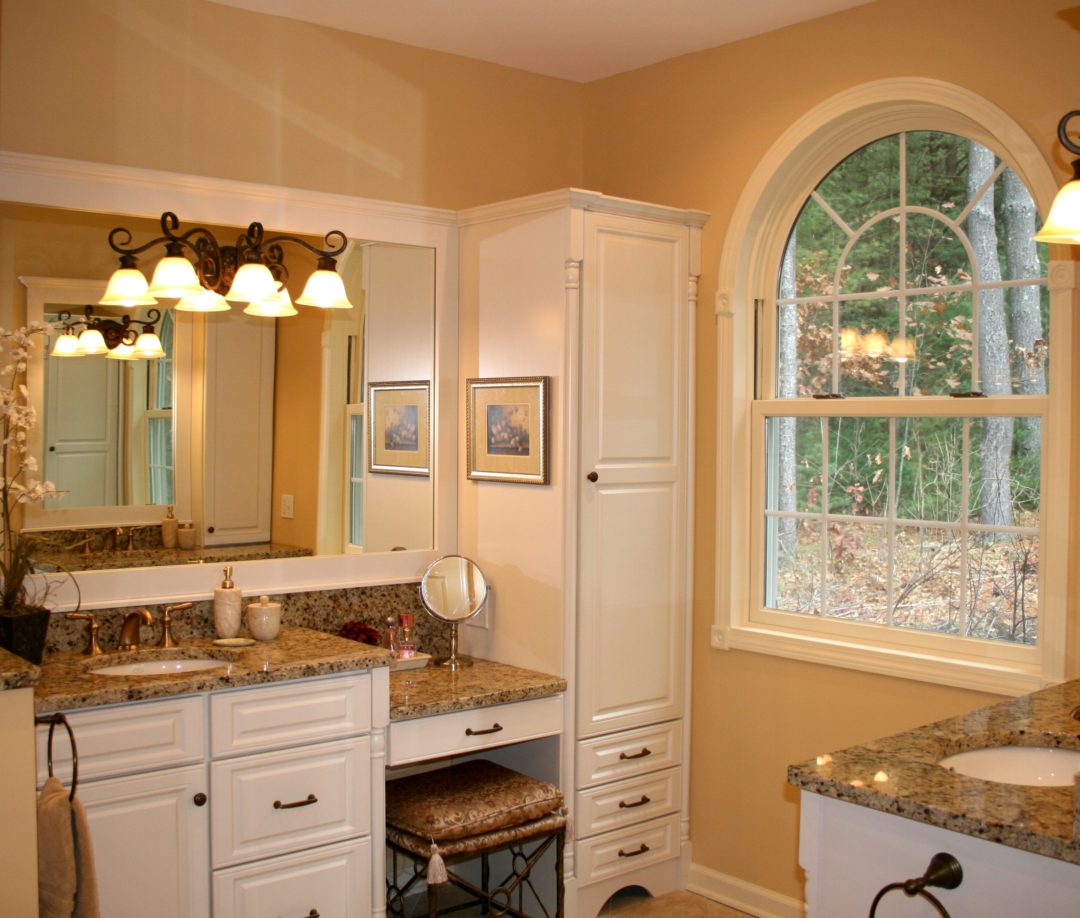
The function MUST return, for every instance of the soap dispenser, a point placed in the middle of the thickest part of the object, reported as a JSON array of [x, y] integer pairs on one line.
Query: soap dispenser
[[169, 526], [227, 607]]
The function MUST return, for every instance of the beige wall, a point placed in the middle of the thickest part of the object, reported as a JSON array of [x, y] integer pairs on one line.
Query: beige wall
[[689, 133], [203, 88]]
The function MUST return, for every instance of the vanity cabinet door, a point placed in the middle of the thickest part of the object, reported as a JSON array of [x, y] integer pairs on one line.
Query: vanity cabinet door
[[151, 843]]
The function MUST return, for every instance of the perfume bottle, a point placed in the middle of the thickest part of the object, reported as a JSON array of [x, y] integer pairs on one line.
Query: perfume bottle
[[406, 643]]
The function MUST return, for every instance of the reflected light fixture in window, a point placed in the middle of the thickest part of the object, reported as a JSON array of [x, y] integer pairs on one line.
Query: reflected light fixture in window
[[118, 339], [202, 275], [1062, 224]]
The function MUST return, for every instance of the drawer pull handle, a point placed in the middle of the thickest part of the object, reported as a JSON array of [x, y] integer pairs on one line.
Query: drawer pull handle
[[640, 850], [494, 729], [637, 755], [623, 805], [311, 798]]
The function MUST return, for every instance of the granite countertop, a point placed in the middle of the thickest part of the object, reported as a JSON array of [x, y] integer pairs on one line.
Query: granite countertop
[[437, 690], [160, 557], [900, 775], [67, 680], [15, 672]]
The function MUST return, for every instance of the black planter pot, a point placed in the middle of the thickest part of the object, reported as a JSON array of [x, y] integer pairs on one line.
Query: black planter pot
[[22, 632]]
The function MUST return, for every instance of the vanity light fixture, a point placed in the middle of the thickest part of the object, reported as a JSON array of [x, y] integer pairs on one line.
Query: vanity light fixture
[[203, 276], [1062, 224], [117, 339]]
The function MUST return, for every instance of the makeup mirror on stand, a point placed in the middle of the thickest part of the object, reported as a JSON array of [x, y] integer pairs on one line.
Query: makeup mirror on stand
[[453, 590]]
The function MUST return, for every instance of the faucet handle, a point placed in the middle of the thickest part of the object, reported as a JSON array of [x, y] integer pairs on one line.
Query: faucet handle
[[167, 640], [93, 648]]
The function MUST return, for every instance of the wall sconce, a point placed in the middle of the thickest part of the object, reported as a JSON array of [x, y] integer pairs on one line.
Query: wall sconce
[[252, 271], [1062, 224], [117, 339]]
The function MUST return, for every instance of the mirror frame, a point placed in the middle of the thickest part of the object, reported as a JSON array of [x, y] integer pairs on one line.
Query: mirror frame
[[126, 190]]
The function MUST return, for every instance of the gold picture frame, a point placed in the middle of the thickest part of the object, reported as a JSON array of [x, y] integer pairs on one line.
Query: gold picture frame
[[399, 427], [506, 429]]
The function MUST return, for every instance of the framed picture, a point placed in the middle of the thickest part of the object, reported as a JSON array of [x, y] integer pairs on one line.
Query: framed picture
[[506, 429], [399, 427]]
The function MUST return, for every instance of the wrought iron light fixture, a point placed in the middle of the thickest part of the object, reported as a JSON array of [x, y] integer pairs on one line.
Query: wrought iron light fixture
[[118, 339], [1062, 224], [203, 276]]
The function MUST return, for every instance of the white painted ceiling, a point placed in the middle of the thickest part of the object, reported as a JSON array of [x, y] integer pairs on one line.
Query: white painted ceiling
[[579, 40]]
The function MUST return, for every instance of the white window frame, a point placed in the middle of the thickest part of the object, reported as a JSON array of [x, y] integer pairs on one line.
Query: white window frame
[[750, 260]]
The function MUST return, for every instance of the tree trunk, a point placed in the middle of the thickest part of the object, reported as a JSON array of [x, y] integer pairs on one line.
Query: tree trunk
[[787, 339], [1022, 260], [995, 504]]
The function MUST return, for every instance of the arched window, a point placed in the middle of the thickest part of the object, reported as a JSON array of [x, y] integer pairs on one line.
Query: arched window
[[900, 457]]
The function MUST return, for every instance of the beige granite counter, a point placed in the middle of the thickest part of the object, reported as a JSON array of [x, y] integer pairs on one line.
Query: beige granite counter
[[104, 560], [900, 775], [436, 690], [67, 679], [15, 672]]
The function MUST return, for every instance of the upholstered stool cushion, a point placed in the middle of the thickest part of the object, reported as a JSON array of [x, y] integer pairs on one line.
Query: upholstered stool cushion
[[477, 844], [466, 799]]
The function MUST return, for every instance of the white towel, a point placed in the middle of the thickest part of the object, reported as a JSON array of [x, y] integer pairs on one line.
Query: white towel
[[67, 882]]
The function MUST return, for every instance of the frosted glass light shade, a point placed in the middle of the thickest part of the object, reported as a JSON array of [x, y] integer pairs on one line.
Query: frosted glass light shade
[[122, 351], [66, 345], [206, 301], [902, 350], [148, 346], [276, 306], [326, 290], [1062, 224], [174, 277], [92, 342], [251, 283], [127, 287]]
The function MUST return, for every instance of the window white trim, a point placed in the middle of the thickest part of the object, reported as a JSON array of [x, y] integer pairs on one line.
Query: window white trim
[[753, 246]]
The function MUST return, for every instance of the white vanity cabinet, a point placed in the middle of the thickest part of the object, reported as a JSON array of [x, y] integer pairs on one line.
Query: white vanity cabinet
[[240, 803], [598, 293]]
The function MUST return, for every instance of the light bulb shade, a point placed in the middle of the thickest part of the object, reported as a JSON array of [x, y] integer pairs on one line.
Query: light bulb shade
[[251, 283], [127, 287], [91, 341], [174, 277], [148, 346], [277, 305], [205, 301], [326, 290], [66, 345], [902, 350], [849, 341], [1062, 224], [122, 351], [874, 344]]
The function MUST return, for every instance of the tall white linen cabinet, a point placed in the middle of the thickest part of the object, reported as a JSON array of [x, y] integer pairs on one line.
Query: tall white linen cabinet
[[591, 573]]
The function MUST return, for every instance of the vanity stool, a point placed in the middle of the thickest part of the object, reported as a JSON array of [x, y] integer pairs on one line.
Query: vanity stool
[[468, 810]]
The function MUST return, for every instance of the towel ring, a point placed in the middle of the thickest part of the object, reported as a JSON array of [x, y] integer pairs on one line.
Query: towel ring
[[52, 720]]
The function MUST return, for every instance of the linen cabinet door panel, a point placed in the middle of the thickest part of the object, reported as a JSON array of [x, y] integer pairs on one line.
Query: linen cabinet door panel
[[280, 801], [151, 843], [632, 563], [333, 881]]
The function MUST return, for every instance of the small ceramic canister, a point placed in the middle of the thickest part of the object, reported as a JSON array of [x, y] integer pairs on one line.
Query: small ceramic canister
[[264, 619]]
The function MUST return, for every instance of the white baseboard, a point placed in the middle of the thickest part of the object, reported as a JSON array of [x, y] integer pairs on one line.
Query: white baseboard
[[746, 897]]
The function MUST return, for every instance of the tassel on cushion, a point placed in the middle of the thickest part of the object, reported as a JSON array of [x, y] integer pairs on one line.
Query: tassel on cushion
[[569, 837], [436, 869]]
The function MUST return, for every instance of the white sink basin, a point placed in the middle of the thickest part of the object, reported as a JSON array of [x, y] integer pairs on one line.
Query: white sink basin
[[1035, 765], [159, 667]]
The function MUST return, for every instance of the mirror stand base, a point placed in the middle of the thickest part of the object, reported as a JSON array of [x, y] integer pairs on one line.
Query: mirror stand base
[[452, 663]]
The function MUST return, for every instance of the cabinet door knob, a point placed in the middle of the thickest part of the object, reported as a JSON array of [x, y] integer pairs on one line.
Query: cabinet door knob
[[593, 477], [200, 799]]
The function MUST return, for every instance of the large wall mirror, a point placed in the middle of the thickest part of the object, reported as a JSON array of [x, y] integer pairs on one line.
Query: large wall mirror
[[123, 440]]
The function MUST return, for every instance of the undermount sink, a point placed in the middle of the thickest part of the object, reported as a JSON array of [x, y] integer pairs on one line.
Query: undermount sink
[[1035, 765], [159, 667]]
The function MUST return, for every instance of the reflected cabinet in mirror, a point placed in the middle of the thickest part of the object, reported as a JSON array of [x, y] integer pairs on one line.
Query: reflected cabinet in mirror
[[253, 428]]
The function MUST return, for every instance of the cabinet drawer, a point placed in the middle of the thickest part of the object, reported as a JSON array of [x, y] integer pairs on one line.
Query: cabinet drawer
[[296, 798], [249, 720], [627, 849], [628, 753], [611, 806], [126, 738], [477, 728], [334, 880]]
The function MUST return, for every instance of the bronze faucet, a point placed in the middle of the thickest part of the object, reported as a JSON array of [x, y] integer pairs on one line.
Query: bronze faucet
[[129, 631], [167, 640]]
